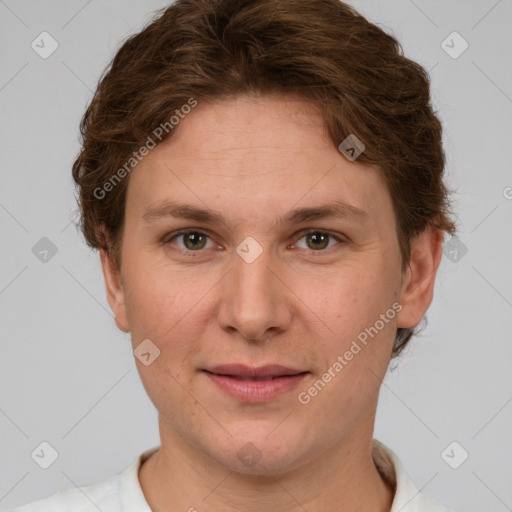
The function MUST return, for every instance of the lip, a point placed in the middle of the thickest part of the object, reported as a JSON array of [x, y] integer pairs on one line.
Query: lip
[[238, 380], [241, 370]]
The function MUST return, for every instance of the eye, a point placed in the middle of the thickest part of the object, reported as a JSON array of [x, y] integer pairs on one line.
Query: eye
[[193, 240], [317, 241]]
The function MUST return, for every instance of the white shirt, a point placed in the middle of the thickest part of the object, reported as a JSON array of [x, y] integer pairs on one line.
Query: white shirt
[[123, 493]]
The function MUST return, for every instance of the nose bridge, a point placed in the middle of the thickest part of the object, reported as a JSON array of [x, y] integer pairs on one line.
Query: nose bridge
[[252, 301], [252, 266]]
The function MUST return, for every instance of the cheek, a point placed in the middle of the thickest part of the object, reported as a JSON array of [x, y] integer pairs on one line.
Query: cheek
[[351, 299], [162, 305], [356, 350], [160, 309], [357, 333]]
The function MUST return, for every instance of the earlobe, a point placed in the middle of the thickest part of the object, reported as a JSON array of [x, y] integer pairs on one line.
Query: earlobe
[[115, 291], [419, 278]]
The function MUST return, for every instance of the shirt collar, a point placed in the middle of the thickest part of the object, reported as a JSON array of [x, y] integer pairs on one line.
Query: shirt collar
[[131, 497], [407, 497]]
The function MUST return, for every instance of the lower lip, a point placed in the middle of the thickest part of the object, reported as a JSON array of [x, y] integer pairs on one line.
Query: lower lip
[[256, 390]]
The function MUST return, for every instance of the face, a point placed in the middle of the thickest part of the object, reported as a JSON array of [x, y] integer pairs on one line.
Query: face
[[266, 278]]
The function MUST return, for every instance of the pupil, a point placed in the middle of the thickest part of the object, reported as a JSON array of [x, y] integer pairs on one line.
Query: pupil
[[193, 236], [320, 238], [317, 236]]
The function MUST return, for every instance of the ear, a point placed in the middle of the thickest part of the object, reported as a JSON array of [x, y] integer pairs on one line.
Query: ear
[[419, 278], [115, 291]]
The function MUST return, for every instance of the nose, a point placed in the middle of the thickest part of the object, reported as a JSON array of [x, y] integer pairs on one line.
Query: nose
[[255, 301]]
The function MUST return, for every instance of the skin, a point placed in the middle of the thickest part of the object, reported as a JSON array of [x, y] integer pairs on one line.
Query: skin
[[301, 303]]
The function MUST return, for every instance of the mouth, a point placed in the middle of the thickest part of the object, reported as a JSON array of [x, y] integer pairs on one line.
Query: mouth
[[239, 377], [255, 384], [242, 371]]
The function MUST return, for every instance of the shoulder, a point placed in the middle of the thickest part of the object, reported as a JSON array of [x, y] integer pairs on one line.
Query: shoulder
[[427, 503], [407, 497], [102, 495], [118, 493]]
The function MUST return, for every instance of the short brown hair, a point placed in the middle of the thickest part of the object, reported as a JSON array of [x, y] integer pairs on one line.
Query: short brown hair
[[323, 51]]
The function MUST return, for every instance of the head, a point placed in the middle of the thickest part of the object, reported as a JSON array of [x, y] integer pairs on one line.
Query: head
[[238, 108]]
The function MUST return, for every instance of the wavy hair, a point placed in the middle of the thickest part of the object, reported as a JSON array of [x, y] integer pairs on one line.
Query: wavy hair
[[322, 50]]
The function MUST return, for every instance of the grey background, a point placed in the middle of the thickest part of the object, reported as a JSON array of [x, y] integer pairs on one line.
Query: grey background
[[67, 375]]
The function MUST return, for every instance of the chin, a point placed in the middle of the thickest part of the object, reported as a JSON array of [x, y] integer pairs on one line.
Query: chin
[[262, 451]]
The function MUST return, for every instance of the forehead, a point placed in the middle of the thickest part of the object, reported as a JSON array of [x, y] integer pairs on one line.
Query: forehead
[[257, 153], [256, 133]]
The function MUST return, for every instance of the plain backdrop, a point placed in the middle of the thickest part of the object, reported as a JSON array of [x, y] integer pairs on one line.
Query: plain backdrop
[[67, 375]]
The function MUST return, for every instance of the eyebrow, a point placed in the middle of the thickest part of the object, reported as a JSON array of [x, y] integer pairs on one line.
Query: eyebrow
[[179, 210]]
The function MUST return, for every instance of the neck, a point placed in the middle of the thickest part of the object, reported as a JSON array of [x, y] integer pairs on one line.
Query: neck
[[345, 478]]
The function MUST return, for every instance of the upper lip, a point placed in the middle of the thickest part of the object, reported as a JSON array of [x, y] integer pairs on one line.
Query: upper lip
[[240, 370]]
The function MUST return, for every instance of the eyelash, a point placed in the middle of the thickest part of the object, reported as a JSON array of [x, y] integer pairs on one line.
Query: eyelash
[[167, 239]]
